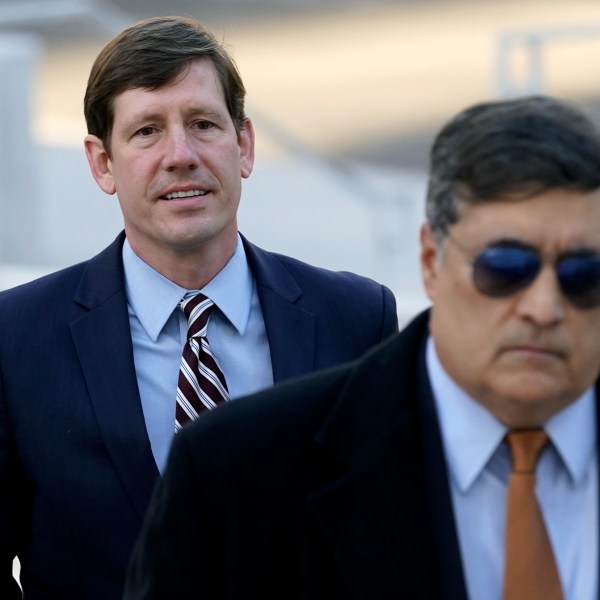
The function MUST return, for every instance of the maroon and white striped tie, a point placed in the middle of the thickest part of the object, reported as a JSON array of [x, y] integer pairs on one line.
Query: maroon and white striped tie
[[201, 384]]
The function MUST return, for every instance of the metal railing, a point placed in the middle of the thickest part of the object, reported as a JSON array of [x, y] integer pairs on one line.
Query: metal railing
[[532, 45]]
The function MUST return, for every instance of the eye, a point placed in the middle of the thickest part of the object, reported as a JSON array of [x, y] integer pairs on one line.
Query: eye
[[145, 131], [203, 125]]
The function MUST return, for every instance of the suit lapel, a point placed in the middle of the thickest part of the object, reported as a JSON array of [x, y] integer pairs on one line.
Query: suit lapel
[[598, 458], [290, 329], [103, 343], [377, 516]]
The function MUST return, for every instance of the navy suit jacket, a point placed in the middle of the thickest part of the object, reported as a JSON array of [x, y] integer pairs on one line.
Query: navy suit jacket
[[338, 491], [76, 467]]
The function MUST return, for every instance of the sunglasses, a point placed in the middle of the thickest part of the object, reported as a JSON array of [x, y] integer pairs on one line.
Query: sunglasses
[[504, 269]]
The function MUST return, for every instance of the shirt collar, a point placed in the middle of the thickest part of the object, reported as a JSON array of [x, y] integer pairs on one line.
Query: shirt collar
[[471, 434], [153, 297], [573, 434], [232, 288]]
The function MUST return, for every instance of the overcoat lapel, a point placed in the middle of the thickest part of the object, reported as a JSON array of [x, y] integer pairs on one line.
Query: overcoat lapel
[[103, 343], [377, 516], [439, 500], [375, 522], [290, 329]]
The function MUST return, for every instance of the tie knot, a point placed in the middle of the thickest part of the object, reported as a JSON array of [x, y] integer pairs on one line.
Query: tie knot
[[197, 308], [526, 446]]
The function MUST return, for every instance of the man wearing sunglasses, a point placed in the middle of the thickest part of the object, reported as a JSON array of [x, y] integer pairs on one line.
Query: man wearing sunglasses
[[410, 473]]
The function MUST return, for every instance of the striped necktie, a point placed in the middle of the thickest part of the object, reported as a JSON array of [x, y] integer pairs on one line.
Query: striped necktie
[[201, 385]]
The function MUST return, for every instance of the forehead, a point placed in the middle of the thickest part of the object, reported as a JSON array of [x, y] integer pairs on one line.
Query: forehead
[[196, 84], [555, 219]]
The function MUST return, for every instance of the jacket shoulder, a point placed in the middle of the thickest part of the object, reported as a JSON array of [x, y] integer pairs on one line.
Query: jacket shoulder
[[103, 271], [305, 272], [315, 284], [44, 288]]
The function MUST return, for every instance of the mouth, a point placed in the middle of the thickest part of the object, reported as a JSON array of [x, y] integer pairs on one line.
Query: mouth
[[533, 351], [183, 194]]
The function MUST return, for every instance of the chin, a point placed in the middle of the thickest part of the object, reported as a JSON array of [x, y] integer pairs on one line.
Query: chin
[[529, 406]]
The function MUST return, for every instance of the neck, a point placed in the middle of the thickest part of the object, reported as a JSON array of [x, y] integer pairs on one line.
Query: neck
[[189, 269]]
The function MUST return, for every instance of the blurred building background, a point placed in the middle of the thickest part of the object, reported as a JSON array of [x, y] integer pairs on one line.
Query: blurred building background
[[345, 95]]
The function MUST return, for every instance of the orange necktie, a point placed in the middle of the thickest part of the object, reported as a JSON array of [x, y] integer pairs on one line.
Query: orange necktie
[[530, 568]]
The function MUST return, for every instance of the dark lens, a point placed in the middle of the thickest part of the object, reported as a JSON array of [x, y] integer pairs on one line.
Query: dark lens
[[502, 270], [579, 277]]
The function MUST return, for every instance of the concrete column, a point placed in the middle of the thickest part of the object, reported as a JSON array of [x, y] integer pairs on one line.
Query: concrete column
[[20, 224]]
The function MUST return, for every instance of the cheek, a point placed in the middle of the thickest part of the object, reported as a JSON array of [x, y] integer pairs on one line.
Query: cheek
[[586, 341], [466, 333], [135, 181], [124, 173], [468, 329], [225, 161]]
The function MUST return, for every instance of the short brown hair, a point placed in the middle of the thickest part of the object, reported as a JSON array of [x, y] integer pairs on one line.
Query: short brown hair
[[149, 54]]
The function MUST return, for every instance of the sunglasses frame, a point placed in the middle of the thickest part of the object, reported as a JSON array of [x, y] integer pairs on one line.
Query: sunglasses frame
[[587, 299]]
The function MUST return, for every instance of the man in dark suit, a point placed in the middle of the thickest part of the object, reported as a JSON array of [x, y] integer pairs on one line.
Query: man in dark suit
[[388, 477], [90, 356]]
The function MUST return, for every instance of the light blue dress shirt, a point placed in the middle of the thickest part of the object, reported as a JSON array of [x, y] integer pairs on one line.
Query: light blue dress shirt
[[478, 466], [236, 333]]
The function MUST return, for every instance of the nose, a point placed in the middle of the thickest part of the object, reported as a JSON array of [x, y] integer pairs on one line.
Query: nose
[[179, 152], [542, 301]]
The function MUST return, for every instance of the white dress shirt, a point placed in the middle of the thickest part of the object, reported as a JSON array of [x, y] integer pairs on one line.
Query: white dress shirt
[[478, 466], [236, 333]]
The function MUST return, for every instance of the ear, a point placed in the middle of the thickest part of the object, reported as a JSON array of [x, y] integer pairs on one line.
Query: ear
[[100, 163], [430, 260], [246, 144]]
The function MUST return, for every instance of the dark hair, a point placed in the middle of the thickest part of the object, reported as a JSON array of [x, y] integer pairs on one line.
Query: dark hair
[[510, 148], [149, 54]]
